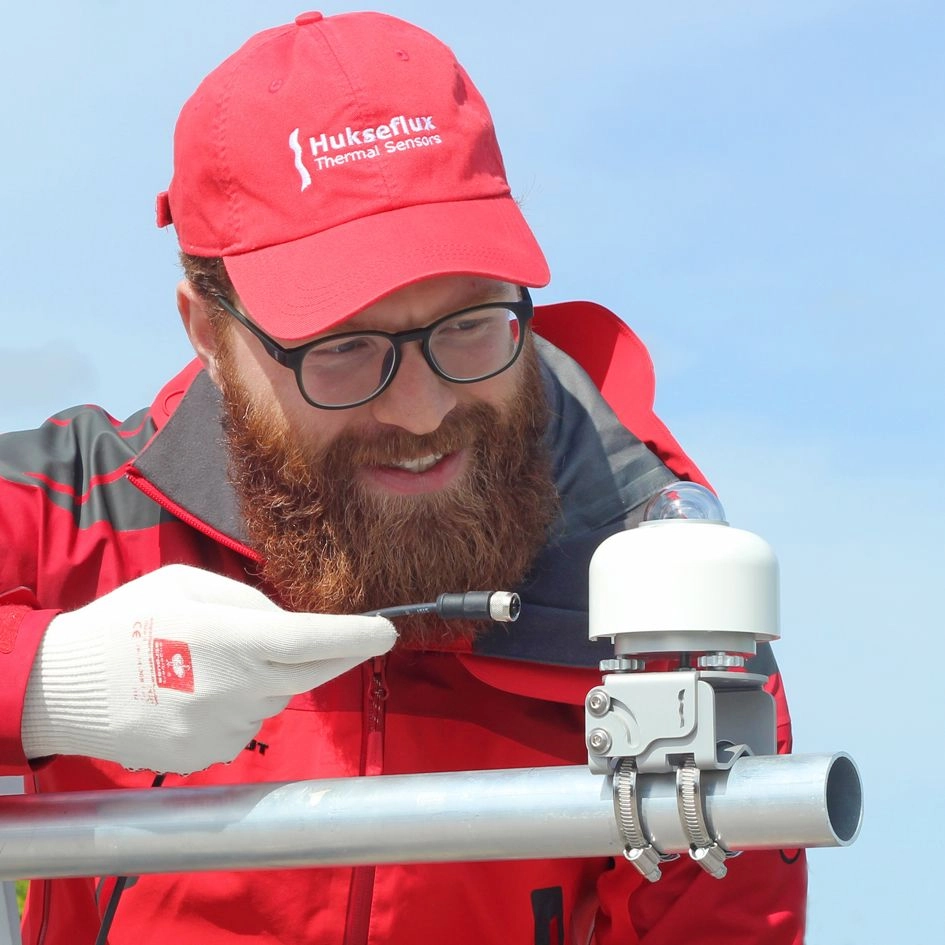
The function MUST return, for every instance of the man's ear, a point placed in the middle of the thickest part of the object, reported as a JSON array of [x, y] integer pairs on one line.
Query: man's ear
[[196, 319]]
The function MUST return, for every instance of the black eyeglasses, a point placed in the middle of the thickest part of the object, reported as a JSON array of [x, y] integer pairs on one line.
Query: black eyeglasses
[[349, 369]]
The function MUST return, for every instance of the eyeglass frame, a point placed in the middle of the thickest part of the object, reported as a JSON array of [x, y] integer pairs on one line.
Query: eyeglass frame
[[292, 358]]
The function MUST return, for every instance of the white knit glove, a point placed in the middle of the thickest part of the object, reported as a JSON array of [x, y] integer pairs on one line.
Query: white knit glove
[[176, 670]]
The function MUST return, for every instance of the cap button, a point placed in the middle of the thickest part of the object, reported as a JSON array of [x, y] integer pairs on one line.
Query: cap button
[[303, 19]]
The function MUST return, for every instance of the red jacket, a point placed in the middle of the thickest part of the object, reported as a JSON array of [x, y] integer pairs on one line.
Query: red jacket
[[88, 503]]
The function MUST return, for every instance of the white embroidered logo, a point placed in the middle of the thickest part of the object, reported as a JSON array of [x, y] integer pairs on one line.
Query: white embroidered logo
[[360, 144], [299, 166]]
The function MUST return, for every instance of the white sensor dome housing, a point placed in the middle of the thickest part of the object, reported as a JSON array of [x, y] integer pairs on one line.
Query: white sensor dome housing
[[684, 585]]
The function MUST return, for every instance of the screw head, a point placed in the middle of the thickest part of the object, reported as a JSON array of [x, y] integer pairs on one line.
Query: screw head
[[598, 703], [599, 741]]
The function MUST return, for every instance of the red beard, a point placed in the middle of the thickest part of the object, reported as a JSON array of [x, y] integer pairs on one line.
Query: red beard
[[329, 545]]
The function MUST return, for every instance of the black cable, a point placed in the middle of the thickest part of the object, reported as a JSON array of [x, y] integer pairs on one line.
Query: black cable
[[404, 610], [120, 883]]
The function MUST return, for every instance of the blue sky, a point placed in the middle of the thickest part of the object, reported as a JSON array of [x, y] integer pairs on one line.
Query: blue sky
[[756, 187]]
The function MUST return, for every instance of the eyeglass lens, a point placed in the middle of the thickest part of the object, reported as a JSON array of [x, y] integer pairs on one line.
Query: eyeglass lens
[[468, 346]]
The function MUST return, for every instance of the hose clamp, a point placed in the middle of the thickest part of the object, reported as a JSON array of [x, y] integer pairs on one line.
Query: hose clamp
[[704, 849], [638, 849]]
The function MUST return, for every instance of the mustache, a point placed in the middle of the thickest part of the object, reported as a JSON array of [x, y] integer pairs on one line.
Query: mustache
[[463, 426]]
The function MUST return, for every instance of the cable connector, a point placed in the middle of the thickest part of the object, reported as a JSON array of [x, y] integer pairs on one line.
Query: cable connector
[[500, 606]]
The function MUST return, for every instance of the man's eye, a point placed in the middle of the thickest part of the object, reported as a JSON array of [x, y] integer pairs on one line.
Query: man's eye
[[344, 346], [474, 324], [470, 324]]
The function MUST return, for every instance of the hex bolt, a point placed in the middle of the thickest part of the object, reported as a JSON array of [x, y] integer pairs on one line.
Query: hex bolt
[[599, 741], [598, 703]]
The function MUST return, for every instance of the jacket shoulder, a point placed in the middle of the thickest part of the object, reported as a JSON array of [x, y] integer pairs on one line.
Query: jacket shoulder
[[72, 469], [72, 449]]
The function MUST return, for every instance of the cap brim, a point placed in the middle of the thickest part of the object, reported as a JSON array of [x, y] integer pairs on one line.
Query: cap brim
[[298, 289]]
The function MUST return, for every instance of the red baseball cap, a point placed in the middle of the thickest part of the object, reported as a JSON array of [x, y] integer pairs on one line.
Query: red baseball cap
[[336, 159]]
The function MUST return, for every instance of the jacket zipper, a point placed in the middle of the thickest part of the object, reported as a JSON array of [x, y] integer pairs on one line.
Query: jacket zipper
[[358, 920], [47, 893], [44, 922], [142, 484]]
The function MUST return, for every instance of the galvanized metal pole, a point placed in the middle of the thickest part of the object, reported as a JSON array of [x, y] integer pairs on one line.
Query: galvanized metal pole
[[783, 801]]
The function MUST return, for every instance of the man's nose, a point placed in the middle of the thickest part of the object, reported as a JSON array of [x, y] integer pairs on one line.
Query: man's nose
[[417, 399]]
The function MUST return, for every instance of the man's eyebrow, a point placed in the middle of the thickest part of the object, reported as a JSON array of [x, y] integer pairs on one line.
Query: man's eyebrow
[[481, 293], [489, 291]]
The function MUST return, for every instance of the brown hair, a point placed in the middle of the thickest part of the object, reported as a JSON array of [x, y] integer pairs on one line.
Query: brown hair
[[209, 277]]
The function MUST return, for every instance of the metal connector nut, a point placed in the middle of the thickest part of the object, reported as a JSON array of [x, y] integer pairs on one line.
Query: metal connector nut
[[505, 606]]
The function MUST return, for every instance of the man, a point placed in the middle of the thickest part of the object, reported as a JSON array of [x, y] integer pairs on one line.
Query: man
[[374, 418]]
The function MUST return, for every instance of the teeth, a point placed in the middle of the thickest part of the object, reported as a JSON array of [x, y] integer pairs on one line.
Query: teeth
[[420, 464]]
